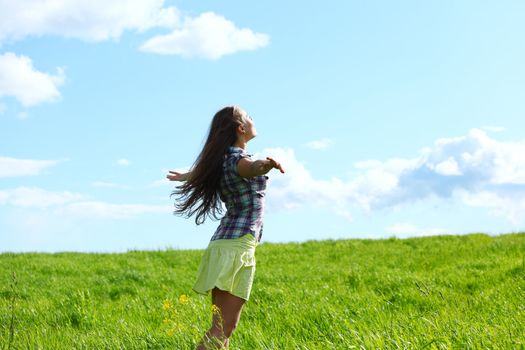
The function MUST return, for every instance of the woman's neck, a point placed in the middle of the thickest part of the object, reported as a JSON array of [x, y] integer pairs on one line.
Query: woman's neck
[[240, 144]]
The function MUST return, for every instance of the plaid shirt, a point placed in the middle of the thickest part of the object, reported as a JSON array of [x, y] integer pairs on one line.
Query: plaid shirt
[[244, 200]]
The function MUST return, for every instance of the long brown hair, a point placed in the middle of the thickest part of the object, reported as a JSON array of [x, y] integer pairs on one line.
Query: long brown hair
[[200, 193]]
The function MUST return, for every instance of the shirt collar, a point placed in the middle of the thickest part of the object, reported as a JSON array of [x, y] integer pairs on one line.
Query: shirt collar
[[236, 150]]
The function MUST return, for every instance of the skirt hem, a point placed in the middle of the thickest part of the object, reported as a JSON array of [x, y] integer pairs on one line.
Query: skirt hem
[[206, 293]]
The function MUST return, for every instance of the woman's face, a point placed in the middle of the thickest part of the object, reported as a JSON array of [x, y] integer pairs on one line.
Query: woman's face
[[248, 126]]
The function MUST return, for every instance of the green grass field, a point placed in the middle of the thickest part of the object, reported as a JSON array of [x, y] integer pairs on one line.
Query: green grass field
[[464, 292]]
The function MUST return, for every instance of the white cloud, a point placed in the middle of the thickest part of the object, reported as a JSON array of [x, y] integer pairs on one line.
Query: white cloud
[[30, 197], [123, 162], [4, 196], [494, 128], [163, 182], [74, 205], [93, 20], [104, 184], [448, 167], [477, 170], [19, 79], [322, 144], [475, 160], [404, 230], [103, 210], [367, 164], [208, 36], [297, 187], [401, 228], [11, 167], [509, 204]]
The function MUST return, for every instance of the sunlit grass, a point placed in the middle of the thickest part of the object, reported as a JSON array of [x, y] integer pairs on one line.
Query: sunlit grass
[[433, 293]]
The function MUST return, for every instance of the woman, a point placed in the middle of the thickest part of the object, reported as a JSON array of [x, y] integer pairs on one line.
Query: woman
[[224, 172]]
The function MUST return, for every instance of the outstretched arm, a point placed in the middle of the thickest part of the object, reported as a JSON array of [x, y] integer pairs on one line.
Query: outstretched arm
[[248, 168], [176, 176]]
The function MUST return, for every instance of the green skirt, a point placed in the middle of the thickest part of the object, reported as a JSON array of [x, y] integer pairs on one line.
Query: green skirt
[[228, 264]]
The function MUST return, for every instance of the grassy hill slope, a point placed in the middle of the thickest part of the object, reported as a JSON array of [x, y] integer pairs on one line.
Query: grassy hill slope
[[433, 292]]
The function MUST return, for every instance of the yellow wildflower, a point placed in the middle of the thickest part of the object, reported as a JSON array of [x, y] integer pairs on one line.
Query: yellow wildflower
[[183, 299], [167, 305], [215, 309]]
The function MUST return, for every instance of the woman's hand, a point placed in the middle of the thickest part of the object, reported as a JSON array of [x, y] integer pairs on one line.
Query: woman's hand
[[248, 168], [176, 176], [272, 163]]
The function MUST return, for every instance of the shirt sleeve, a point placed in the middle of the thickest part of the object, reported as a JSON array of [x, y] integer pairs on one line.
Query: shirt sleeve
[[234, 161]]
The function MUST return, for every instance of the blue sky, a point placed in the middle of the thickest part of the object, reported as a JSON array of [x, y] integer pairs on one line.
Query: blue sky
[[391, 119]]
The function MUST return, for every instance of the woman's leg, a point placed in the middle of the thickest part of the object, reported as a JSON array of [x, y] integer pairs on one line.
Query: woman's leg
[[225, 321]]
